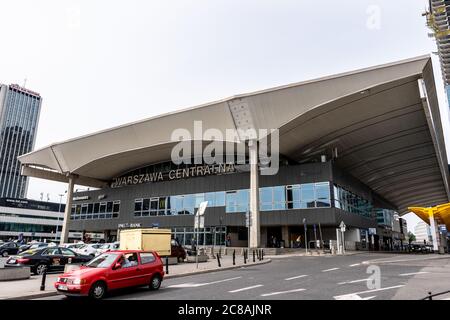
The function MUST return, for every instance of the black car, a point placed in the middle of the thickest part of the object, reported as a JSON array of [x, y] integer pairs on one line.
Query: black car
[[37, 245], [52, 258], [8, 248]]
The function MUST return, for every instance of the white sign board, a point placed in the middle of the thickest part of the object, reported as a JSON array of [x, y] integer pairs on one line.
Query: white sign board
[[199, 222], [202, 208], [342, 226]]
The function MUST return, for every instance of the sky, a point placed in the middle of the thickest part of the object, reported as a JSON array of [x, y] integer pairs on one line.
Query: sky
[[102, 63]]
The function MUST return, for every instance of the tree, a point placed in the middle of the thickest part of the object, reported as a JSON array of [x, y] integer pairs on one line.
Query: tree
[[411, 237]]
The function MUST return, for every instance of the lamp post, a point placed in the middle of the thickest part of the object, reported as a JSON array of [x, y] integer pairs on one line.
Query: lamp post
[[220, 235], [59, 211], [306, 238]]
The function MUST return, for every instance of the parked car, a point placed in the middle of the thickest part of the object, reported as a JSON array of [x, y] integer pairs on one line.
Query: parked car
[[89, 249], [113, 270], [108, 247], [177, 250], [8, 248], [72, 246], [51, 258], [36, 245]]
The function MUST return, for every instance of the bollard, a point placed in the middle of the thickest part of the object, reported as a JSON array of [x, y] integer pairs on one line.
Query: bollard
[[429, 296], [44, 276], [262, 254], [259, 255], [167, 265], [245, 257], [253, 256], [234, 257], [218, 260]]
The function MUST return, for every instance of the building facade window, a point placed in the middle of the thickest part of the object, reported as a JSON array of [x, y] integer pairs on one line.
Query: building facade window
[[299, 196], [93, 211], [351, 202]]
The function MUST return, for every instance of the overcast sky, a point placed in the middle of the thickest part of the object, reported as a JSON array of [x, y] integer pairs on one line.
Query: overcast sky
[[99, 64]]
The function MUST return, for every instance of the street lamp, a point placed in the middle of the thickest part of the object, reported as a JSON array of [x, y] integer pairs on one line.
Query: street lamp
[[59, 211], [220, 236], [306, 238]]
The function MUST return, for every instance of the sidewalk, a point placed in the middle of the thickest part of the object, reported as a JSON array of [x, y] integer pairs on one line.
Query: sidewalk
[[30, 288]]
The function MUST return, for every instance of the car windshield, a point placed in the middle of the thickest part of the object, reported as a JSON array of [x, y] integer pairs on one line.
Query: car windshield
[[102, 261], [105, 246]]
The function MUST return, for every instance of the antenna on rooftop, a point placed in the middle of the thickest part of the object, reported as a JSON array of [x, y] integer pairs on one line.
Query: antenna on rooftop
[[24, 82]]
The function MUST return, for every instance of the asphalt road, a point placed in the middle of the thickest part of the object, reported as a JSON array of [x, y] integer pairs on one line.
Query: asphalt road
[[318, 278]]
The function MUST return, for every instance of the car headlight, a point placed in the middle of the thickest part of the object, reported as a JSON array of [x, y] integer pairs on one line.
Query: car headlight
[[79, 281]]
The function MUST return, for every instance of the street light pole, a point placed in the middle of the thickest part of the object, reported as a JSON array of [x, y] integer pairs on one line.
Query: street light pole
[[59, 211], [220, 235], [306, 238]]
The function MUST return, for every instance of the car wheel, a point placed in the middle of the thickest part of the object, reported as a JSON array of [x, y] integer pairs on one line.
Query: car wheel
[[40, 269], [155, 283], [180, 259], [4, 254], [98, 290]]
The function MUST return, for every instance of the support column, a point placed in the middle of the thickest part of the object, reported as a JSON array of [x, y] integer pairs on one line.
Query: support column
[[65, 228], [433, 231], [255, 235]]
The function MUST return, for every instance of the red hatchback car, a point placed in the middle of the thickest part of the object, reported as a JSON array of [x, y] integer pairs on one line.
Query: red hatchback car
[[113, 270]]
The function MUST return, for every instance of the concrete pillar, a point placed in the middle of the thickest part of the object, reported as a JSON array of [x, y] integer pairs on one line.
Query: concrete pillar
[[433, 231], [65, 228], [255, 235], [285, 236]]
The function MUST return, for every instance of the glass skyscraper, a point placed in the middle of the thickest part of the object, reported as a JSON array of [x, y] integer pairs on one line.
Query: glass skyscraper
[[438, 19], [19, 116]]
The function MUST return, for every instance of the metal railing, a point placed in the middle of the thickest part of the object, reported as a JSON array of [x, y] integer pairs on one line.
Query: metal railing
[[430, 295]]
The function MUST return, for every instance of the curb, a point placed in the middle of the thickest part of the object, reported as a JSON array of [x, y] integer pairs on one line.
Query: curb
[[169, 276]]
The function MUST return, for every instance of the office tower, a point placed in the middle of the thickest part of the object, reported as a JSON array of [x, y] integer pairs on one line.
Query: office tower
[[19, 116]]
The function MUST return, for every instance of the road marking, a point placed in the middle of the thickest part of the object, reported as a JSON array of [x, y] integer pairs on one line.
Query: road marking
[[194, 285], [412, 273], [281, 292], [353, 297], [341, 297], [354, 281], [247, 288], [355, 265], [332, 269], [296, 277]]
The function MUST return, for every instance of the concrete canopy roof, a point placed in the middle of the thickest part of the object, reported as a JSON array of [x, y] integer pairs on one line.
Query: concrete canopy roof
[[384, 122]]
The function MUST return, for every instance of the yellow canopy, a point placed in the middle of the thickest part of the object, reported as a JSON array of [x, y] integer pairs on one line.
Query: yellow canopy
[[441, 213]]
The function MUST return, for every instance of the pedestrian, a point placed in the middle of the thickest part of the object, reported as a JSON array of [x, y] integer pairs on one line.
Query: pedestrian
[[228, 240]]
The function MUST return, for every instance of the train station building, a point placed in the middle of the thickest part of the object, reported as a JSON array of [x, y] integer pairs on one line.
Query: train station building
[[342, 148]]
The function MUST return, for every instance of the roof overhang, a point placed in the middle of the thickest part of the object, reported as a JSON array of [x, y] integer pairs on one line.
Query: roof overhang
[[384, 123]]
